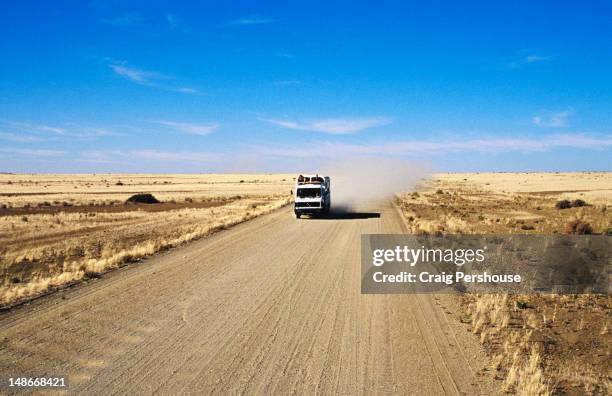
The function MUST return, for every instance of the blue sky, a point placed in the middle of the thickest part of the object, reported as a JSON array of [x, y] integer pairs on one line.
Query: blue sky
[[142, 86]]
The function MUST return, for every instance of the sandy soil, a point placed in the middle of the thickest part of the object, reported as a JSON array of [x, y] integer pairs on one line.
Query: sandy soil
[[270, 306], [59, 229], [538, 344], [596, 187], [508, 203], [273, 305], [33, 190]]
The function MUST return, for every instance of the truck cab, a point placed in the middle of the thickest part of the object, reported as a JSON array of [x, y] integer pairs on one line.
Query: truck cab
[[312, 195]]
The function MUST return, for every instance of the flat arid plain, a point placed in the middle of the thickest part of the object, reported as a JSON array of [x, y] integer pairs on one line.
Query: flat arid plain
[[217, 288], [538, 344], [56, 229]]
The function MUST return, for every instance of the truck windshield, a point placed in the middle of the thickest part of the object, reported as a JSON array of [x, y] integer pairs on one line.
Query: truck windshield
[[309, 192]]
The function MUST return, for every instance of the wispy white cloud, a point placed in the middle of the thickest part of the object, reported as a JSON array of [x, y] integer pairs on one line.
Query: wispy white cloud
[[194, 129], [286, 82], [533, 58], [31, 152], [582, 141], [252, 20], [536, 58], [20, 138], [430, 147], [334, 126], [35, 128], [27, 132], [148, 78], [138, 76], [121, 156], [551, 119], [86, 133], [46, 128], [187, 90], [189, 156]]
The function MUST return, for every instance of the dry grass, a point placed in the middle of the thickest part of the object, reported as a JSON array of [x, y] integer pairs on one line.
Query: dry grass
[[87, 189], [478, 203], [539, 344], [515, 351], [43, 250], [544, 344], [593, 187]]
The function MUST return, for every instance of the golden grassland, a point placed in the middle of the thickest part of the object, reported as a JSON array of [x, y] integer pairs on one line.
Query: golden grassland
[[539, 344], [508, 203], [57, 229], [35, 190]]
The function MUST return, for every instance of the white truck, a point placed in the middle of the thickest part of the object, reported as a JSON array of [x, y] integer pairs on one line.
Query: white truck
[[312, 195]]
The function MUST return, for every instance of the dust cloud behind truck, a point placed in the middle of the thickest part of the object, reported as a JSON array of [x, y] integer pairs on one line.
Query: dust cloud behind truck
[[312, 195]]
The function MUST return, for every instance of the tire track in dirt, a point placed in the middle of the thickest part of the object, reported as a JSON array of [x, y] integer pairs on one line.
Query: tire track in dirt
[[270, 306]]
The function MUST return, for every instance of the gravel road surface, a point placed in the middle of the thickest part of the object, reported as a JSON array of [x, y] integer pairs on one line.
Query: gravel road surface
[[270, 306]]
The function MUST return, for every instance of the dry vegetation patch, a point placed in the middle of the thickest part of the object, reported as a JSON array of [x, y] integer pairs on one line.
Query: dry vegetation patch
[[543, 344], [46, 246], [539, 344]]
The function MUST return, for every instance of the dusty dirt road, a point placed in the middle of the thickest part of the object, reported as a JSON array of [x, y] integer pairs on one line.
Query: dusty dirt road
[[270, 306]]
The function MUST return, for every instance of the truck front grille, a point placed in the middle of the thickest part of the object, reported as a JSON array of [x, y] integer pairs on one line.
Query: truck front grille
[[307, 204]]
